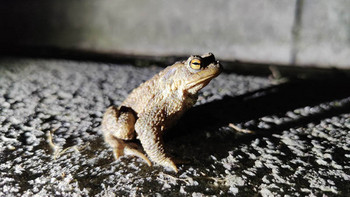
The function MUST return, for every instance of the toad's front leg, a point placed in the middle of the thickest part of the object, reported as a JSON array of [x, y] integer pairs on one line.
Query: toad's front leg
[[148, 129]]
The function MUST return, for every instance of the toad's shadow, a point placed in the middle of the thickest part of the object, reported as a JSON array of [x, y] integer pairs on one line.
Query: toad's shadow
[[276, 100]]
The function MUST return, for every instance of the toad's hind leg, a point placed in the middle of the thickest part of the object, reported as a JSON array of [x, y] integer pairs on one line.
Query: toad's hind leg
[[120, 148], [117, 127]]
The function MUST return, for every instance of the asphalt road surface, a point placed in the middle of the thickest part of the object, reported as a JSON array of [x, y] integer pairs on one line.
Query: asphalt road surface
[[51, 142]]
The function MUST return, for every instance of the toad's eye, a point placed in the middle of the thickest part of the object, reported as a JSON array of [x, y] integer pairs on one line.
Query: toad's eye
[[195, 64]]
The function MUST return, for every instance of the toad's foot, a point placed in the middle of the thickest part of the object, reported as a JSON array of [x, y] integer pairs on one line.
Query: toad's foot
[[120, 148], [168, 162]]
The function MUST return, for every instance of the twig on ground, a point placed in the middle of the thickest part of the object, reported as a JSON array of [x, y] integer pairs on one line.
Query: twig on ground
[[240, 129]]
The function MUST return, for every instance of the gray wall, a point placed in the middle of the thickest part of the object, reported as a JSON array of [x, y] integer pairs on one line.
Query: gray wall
[[302, 32]]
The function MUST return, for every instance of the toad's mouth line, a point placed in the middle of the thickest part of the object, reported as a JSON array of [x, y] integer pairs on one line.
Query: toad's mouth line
[[203, 78]]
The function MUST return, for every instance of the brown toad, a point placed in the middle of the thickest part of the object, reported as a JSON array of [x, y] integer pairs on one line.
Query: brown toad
[[155, 106]]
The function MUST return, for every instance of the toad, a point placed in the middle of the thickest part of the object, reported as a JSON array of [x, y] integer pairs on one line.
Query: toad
[[155, 106]]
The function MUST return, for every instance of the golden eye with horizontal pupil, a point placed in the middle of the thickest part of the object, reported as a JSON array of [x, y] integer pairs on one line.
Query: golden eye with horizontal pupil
[[195, 64]]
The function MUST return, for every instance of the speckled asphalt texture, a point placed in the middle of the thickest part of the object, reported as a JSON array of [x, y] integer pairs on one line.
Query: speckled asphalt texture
[[51, 143]]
